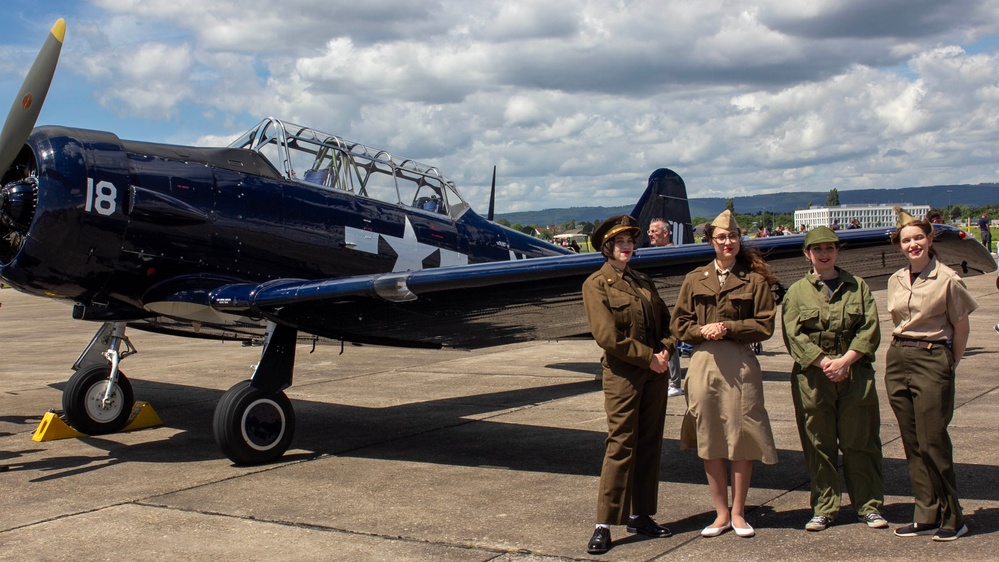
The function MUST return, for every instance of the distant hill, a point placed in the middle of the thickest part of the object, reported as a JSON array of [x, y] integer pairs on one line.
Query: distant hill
[[560, 216], [937, 196]]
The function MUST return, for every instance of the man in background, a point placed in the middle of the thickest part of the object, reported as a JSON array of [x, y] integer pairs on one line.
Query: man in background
[[983, 227], [661, 235]]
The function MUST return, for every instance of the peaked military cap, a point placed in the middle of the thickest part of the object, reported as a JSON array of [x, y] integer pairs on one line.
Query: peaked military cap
[[613, 226]]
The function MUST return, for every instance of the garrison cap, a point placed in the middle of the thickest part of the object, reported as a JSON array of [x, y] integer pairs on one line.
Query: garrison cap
[[820, 235], [726, 221], [613, 226], [904, 219]]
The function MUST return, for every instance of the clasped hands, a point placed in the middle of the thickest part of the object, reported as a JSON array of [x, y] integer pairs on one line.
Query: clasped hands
[[660, 362], [715, 331], [835, 370]]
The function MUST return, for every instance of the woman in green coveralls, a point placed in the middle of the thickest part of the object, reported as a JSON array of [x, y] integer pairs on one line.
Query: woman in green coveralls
[[929, 306], [831, 331]]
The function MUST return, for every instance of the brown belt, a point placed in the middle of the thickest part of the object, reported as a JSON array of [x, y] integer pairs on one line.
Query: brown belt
[[922, 344]]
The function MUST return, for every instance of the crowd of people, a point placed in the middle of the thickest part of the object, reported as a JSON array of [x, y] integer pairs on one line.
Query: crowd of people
[[831, 330]]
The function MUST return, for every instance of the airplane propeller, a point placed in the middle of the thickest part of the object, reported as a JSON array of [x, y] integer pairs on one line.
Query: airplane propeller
[[28, 103], [19, 197]]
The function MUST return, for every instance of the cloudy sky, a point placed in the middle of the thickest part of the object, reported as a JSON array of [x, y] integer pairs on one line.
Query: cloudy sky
[[575, 101]]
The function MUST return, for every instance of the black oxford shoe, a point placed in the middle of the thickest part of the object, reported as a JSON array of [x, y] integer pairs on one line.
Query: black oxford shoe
[[644, 525], [600, 541]]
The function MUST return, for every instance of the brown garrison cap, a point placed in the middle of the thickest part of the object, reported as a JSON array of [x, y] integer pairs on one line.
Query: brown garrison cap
[[725, 220], [611, 227], [904, 219]]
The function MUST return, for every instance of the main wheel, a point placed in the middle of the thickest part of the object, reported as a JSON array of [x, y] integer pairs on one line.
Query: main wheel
[[83, 401], [252, 427]]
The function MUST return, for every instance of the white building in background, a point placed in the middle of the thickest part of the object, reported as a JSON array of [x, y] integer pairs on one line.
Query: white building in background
[[868, 215]]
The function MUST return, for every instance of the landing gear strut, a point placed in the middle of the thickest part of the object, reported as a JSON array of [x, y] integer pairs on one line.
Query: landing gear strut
[[98, 399]]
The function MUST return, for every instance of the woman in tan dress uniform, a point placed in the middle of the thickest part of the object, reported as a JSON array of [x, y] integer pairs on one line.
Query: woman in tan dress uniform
[[929, 306], [630, 322], [722, 308]]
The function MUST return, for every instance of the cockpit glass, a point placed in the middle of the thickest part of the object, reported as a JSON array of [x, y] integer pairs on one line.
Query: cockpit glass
[[321, 159]]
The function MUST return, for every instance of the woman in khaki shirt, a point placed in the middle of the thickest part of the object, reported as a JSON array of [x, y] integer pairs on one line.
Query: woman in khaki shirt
[[929, 306], [722, 308], [630, 322]]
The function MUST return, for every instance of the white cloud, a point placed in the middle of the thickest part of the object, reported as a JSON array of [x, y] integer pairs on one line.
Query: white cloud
[[575, 101]]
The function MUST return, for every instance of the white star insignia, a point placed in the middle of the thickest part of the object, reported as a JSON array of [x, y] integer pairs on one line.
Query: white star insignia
[[409, 251]]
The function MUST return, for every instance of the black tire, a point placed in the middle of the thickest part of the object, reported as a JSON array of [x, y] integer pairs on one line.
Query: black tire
[[82, 397], [253, 427]]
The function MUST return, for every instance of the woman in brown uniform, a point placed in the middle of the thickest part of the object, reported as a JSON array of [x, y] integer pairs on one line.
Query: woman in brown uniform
[[630, 322], [929, 306], [722, 308]]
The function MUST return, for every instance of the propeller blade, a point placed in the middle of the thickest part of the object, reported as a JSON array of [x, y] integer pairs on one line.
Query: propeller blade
[[27, 105]]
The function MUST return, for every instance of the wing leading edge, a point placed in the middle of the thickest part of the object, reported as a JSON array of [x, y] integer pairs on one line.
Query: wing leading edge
[[466, 306], [482, 305]]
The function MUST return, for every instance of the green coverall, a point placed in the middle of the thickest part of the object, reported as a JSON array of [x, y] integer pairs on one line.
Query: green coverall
[[835, 416]]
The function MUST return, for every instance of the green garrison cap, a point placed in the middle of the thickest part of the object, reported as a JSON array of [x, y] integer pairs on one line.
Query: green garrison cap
[[820, 235]]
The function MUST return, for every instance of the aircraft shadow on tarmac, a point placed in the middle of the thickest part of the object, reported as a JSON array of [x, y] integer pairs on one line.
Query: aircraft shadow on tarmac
[[455, 431]]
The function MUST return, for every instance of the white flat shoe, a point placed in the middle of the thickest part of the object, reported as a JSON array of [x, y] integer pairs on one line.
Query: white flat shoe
[[745, 532], [715, 531]]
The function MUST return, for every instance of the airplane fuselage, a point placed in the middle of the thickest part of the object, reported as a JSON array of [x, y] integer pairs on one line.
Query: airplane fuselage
[[126, 228]]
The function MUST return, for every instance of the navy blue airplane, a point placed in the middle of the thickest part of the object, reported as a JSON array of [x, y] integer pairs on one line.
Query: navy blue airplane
[[292, 231]]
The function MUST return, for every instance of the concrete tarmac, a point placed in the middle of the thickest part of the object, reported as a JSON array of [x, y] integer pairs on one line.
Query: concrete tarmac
[[424, 455]]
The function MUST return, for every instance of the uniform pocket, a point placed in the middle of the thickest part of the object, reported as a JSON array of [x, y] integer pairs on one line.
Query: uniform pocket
[[620, 307], [810, 319], [853, 316], [742, 304]]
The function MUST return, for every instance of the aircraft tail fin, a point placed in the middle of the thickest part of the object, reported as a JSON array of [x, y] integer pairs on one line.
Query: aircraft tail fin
[[665, 198]]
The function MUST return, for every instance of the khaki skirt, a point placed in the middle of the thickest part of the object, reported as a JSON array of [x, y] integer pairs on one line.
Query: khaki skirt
[[726, 417]]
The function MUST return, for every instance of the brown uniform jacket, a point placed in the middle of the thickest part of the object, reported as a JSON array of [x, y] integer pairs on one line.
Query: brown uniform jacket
[[619, 323], [744, 305]]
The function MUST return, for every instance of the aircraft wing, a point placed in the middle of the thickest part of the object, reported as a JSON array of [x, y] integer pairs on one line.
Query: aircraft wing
[[468, 306], [491, 304]]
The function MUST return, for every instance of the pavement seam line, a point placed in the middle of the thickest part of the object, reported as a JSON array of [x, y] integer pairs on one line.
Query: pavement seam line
[[324, 528]]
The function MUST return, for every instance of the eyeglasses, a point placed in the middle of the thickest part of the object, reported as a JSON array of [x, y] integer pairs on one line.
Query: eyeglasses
[[726, 238]]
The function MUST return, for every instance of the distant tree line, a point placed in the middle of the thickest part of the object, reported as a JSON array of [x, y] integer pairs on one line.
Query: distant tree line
[[751, 222]]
